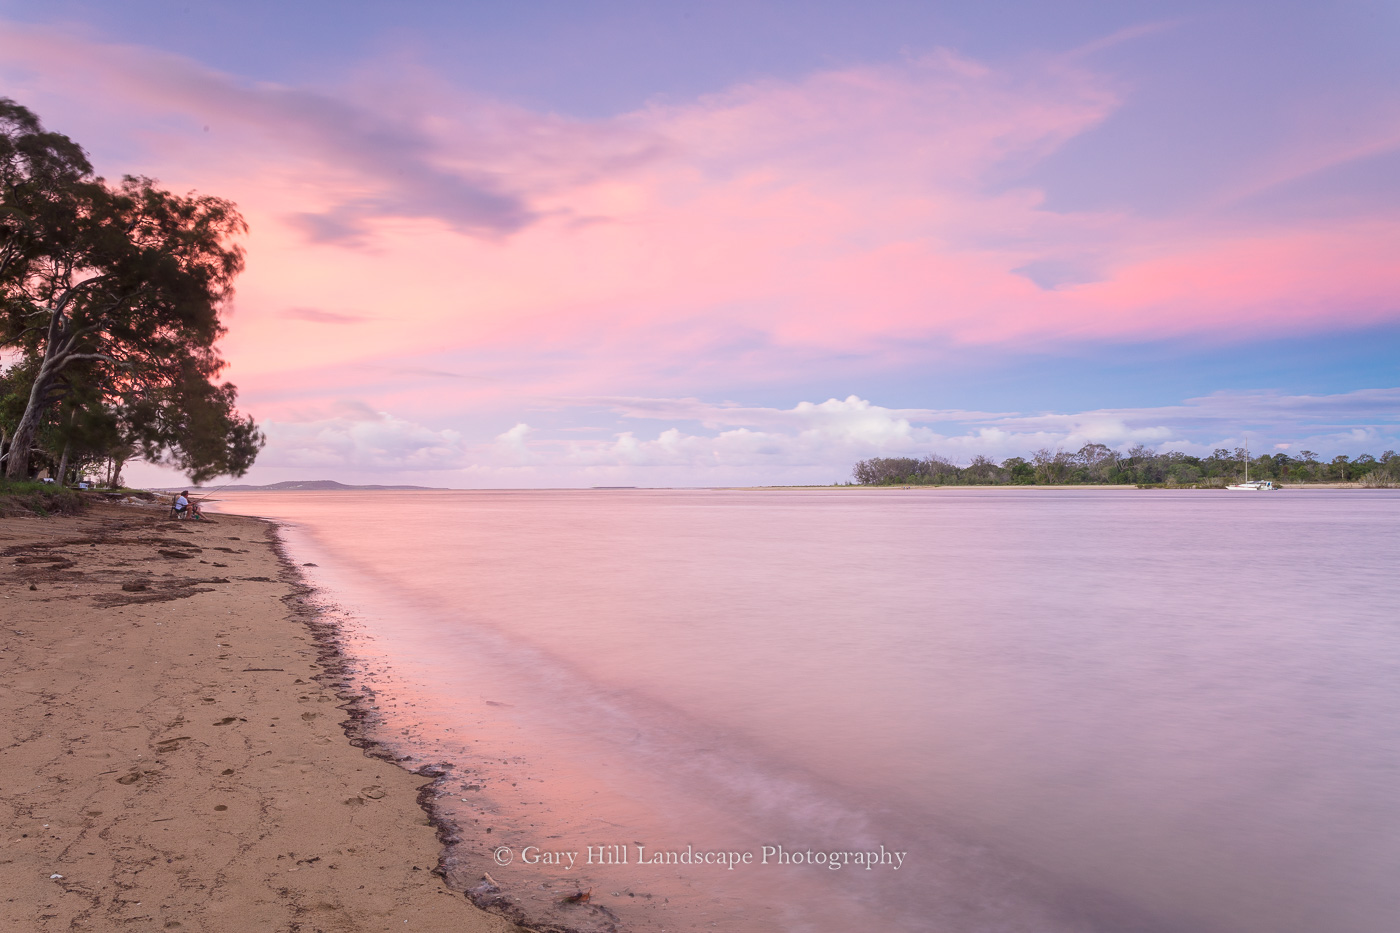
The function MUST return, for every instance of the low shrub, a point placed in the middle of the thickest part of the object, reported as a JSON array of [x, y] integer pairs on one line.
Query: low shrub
[[35, 498]]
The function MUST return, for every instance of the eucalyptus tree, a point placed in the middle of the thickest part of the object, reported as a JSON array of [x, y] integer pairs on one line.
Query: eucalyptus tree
[[118, 289], [1052, 466], [1097, 460], [982, 469]]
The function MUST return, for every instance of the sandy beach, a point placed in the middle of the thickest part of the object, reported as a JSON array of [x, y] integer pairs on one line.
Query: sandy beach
[[174, 751]]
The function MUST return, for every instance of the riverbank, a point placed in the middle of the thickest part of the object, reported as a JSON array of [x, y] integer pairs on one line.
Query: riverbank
[[172, 744]]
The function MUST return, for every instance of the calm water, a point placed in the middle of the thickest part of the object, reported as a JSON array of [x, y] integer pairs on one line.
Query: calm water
[[1086, 710]]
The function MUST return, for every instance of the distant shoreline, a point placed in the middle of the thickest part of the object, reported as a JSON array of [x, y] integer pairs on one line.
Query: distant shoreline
[[333, 486], [1010, 486], [314, 485]]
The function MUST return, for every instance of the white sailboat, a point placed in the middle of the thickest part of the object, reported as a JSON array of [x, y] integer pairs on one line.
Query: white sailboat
[[1259, 485]]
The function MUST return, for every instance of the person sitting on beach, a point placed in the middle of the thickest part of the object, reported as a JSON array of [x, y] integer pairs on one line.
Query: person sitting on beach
[[181, 508]]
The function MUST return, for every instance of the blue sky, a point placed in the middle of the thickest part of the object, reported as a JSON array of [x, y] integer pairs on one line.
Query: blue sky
[[949, 211]]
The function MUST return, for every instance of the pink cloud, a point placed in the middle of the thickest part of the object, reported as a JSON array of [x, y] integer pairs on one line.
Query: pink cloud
[[765, 223]]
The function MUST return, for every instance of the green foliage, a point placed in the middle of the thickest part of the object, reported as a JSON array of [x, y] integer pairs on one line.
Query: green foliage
[[1142, 466], [1019, 471], [111, 295]]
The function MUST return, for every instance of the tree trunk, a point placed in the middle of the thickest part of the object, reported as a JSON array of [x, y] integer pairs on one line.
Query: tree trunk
[[20, 444], [28, 427], [63, 465]]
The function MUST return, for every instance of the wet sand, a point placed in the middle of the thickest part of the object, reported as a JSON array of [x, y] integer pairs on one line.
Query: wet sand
[[173, 755]]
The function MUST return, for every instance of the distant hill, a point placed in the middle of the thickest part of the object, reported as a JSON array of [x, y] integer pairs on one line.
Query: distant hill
[[314, 485]]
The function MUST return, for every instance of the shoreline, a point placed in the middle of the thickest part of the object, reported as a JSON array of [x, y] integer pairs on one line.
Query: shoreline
[[897, 487], [359, 727], [362, 699], [166, 756]]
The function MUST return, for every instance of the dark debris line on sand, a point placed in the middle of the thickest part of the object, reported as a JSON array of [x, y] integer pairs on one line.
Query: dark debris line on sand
[[363, 724], [72, 579]]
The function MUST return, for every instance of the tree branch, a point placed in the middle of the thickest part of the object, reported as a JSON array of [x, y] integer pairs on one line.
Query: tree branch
[[73, 290]]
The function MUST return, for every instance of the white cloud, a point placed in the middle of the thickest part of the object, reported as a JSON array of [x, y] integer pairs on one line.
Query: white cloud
[[510, 446], [362, 440], [694, 442], [820, 439]]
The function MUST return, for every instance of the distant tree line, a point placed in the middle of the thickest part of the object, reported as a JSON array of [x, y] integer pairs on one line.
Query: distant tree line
[[1099, 464], [110, 303]]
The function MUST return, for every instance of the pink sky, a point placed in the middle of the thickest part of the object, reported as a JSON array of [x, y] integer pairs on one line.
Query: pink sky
[[431, 265]]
